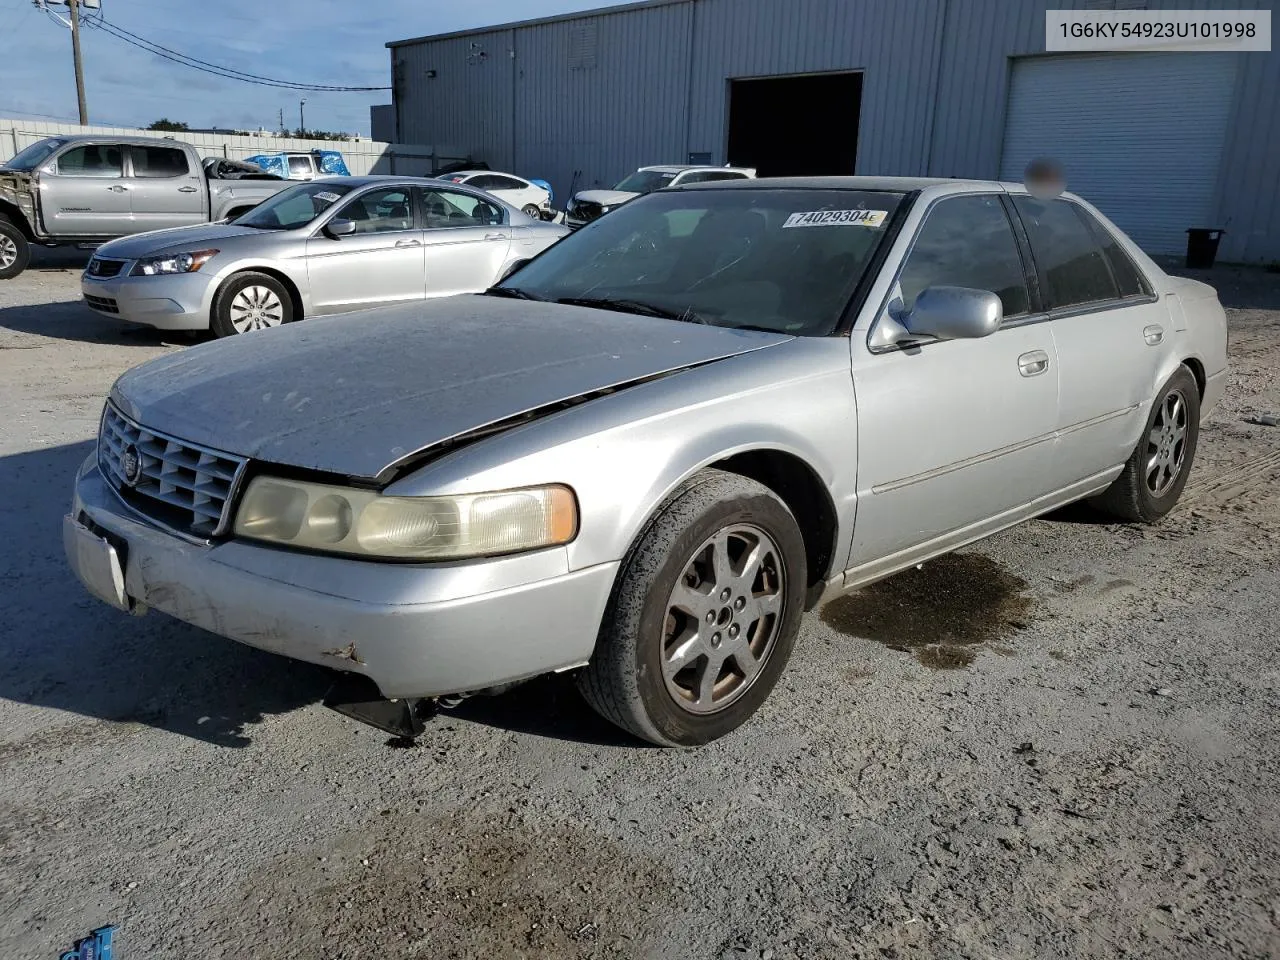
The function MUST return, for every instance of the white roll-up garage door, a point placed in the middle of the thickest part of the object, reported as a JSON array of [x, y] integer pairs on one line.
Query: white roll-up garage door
[[1140, 135]]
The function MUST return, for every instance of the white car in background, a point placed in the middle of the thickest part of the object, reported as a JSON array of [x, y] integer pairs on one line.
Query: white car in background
[[590, 204], [531, 199]]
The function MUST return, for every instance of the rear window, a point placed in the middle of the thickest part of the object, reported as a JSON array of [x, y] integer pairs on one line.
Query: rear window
[[1128, 277], [1073, 266]]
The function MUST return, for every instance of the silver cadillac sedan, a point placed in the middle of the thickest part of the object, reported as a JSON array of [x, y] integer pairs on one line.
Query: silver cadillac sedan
[[647, 452], [327, 246]]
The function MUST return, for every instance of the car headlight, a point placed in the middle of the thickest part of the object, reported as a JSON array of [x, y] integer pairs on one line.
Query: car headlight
[[171, 263], [315, 516]]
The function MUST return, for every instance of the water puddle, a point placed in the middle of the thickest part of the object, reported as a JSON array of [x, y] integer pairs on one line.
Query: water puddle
[[941, 614]]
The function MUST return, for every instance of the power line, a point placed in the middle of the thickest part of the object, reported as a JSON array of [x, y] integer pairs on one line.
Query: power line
[[204, 66]]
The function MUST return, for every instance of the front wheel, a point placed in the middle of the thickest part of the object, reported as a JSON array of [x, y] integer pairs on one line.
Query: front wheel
[[15, 251], [250, 301], [533, 210], [1157, 469], [704, 614]]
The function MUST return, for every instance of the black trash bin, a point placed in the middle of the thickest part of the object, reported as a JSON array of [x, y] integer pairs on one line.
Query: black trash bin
[[1202, 247]]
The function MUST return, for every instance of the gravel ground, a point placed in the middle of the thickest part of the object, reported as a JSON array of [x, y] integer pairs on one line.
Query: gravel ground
[[1059, 743]]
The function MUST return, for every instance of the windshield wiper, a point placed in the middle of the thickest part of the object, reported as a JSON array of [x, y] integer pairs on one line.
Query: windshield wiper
[[634, 306], [514, 293]]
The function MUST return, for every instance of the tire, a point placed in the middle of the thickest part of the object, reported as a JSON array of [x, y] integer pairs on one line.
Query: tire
[[532, 210], [1157, 469], [15, 251], [250, 301], [626, 682]]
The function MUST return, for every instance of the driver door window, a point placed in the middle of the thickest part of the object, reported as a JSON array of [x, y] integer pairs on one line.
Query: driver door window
[[103, 160], [380, 211], [967, 242]]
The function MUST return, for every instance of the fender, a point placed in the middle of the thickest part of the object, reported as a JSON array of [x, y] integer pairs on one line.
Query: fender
[[623, 454]]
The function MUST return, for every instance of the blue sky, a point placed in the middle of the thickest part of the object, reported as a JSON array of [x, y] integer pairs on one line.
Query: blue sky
[[313, 41]]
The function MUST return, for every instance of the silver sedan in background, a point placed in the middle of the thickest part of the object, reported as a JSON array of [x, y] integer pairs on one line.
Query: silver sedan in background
[[326, 246]]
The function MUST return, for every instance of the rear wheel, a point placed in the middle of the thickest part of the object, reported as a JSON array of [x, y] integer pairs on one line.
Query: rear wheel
[[1157, 469], [15, 251], [250, 301], [704, 614]]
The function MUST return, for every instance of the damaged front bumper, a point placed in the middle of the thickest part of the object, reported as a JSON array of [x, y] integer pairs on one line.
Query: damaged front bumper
[[415, 630]]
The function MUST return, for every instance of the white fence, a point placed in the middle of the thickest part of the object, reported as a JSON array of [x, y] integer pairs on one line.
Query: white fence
[[362, 156]]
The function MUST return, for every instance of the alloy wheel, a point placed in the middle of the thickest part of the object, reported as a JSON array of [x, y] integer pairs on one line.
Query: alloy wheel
[[1167, 444], [723, 618], [8, 252], [255, 308]]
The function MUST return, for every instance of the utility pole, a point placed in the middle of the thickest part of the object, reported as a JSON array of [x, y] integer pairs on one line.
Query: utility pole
[[75, 49], [302, 120], [281, 127]]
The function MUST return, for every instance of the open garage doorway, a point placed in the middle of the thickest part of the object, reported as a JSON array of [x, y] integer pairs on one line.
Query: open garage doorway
[[797, 126]]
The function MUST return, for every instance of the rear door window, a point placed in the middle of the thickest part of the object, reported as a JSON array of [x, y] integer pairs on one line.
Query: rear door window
[[1128, 277], [1073, 269], [967, 242], [300, 165], [159, 162], [452, 208]]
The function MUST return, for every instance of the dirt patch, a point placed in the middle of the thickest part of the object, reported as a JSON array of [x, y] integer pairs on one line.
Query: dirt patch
[[465, 885], [941, 612]]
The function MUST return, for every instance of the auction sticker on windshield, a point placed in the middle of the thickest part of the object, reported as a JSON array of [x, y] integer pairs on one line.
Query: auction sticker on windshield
[[837, 218], [328, 197]]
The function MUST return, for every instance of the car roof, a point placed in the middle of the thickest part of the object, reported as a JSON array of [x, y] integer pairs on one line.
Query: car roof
[[896, 184], [476, 173], [681, 168], [112, 138]]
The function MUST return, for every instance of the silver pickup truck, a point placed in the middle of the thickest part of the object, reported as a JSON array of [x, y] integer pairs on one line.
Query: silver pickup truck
[[86, 190]]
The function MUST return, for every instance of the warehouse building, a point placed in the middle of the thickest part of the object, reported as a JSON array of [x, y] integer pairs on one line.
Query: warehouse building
[[1161, 142]]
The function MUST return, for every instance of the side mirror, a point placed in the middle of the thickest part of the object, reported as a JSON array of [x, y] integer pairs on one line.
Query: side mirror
[[340, 228], [943, 313]]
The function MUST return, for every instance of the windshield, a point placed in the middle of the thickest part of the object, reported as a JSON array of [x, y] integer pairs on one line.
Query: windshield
[[294, 207], [645, 181], [33, 156], [784, 260]]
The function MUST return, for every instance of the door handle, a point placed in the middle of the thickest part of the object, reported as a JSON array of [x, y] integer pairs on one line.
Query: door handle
[[1153, 334], [1033, 364], [408, 243], [117, 188], [186, 189], [495, 236]]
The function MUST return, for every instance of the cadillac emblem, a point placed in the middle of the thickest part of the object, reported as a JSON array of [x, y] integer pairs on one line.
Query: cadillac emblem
[[130, 465]]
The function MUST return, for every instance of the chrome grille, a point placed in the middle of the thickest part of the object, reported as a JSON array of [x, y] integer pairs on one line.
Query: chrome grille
[[104, 269], [180, 485], [102, 304]]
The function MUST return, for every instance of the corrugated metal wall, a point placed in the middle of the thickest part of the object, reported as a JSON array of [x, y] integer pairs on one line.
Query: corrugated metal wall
[[893, 42], [607, 93]]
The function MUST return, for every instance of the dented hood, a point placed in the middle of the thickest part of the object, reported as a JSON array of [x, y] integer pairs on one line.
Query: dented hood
[[355, 394]]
